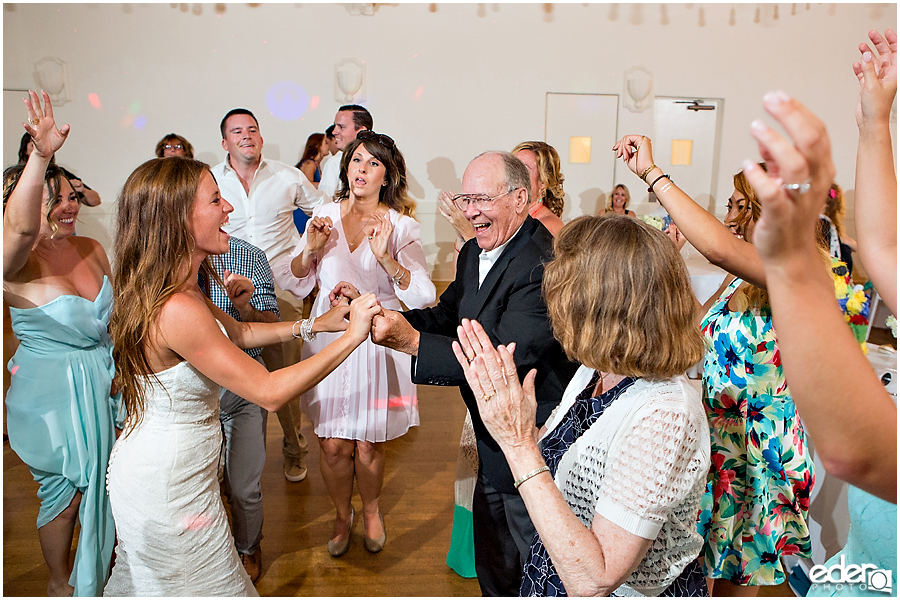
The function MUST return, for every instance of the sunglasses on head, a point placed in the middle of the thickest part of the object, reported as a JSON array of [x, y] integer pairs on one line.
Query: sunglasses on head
[[380, 138]]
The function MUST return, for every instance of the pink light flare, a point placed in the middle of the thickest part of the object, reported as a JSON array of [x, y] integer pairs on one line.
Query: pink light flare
[[418, 93], [313, 102], [94, 99]]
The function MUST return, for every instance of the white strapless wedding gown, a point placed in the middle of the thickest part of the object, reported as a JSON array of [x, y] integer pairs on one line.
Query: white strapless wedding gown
[[173, 534]]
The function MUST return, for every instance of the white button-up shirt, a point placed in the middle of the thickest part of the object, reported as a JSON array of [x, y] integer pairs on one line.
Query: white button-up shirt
[[264, 217], [331, 175]]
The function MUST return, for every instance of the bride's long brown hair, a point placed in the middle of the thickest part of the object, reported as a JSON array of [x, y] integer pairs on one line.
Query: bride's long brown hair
[[152, 260]]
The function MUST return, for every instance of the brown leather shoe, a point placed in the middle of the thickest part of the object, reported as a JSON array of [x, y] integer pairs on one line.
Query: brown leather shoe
[[253, 564]]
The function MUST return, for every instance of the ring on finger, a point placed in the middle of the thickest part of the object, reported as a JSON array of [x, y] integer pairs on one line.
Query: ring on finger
[[34, 120], [487, 397], [797, 188]]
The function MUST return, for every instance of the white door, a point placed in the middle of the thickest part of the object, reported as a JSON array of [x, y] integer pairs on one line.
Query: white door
[[686, 146], [582, 128]]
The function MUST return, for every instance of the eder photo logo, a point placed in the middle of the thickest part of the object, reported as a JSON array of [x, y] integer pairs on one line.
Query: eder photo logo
[[853, 577]]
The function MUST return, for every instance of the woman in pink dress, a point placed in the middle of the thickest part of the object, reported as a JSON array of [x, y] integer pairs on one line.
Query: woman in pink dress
[[367, 241]]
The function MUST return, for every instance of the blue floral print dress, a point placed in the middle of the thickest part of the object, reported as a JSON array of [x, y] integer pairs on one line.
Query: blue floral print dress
[[757, 494]]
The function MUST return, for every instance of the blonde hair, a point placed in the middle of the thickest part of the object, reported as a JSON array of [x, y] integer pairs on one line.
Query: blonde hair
[[620, 299], [153, 258], [548, 166], [609, 202]]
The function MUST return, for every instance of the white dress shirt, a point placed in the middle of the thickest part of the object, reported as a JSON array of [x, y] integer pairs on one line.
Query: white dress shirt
[[331, 175], [264, 217], [487, 258]]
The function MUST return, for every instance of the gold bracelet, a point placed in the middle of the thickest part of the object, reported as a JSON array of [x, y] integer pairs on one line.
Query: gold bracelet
[[646, 172], [529, 475]]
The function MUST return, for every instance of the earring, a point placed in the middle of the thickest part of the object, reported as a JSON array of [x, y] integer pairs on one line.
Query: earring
[[193, 243], [384, 184]]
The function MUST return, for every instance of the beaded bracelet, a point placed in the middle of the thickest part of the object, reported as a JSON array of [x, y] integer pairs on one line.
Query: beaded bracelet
[[529, 475], [306, 331], [650, 189]]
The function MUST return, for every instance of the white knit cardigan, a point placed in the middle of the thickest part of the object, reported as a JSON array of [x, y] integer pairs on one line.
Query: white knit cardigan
[[643, 466]]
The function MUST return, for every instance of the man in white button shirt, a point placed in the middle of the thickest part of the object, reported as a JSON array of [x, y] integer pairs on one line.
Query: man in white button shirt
[[264, 194], [349, 120]]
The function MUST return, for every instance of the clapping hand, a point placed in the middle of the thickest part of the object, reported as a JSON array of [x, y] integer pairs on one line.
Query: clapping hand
[[41, 127], [456, 217], [877, 76], [786, 228], [239, 289], [507, 408], [380, 234], [318, 230]]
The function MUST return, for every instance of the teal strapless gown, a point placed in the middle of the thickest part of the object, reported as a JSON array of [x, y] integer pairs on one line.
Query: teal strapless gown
[[60, 419], [872, 540]]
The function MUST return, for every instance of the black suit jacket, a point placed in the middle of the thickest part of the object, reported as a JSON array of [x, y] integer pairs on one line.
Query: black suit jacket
[[510, 307]]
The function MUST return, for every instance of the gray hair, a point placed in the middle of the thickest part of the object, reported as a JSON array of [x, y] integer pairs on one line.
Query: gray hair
[[514, 169]]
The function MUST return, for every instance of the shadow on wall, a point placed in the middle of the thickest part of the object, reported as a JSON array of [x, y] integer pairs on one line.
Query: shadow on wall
[[443, 176]]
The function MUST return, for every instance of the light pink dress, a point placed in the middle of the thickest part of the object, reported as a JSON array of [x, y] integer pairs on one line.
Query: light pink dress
[[370, 395]]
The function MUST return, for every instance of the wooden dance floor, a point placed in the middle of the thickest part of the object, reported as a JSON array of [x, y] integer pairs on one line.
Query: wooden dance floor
[[417, 504]]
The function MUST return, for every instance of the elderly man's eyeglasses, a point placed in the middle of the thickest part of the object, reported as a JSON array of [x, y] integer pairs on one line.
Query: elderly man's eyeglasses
[[173, 147], [379, 138], [480, 201]]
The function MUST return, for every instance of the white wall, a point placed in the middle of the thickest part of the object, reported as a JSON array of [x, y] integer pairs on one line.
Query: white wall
[[447, 81]]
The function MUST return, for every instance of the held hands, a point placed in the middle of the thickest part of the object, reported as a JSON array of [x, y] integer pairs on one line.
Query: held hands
[[787, 225], [41, 127], [344, 293], [455, 217], [507, 408], [391, 330], [318, 230], [239, 289], [636, 152], [877, 76], [362, 311], [335, 319]]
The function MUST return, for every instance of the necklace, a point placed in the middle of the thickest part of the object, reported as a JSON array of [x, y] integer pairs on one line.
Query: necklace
[[350, 240]]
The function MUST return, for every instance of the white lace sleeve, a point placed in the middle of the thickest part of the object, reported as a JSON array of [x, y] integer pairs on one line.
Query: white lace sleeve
[[650, 467]]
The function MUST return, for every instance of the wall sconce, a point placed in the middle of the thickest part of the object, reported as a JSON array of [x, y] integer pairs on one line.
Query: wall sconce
[[367, 9], [52, 75], [350, 81], [638, 89]]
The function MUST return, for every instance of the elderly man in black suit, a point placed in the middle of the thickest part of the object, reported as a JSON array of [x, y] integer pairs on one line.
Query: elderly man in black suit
[[498, 283]]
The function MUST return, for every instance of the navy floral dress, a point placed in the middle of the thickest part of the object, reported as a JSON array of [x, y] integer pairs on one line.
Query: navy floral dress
[[540, 577]]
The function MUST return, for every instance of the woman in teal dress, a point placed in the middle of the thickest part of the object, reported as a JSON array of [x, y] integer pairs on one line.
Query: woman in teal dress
[[59, 409]]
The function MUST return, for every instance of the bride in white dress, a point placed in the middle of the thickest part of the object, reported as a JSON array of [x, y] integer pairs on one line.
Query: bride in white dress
[[172, 354]]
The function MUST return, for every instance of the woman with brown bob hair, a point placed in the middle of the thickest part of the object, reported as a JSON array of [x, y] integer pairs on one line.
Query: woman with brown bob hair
[[367, 239], [174, 145], [613, 481], [174, 349]]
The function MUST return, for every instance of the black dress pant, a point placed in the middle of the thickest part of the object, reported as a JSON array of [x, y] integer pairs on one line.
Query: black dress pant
[[503, 533]]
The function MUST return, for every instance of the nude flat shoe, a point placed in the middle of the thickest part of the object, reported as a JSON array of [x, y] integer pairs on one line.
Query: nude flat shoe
[[375, 545], [340, 548]]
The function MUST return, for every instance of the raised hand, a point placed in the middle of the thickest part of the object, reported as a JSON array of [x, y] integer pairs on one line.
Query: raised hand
[[379, 234], [787, 225], [636, 152], [362, 311], [343, 292], [318, 230], [41, 127], [506, 407], [674, 234], [877, 75]]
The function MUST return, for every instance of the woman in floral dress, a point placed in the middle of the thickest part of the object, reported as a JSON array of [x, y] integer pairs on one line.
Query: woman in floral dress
[[755, 507]]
